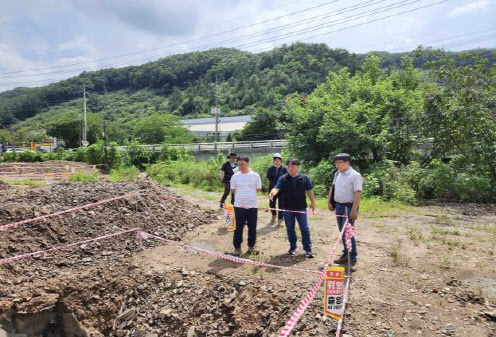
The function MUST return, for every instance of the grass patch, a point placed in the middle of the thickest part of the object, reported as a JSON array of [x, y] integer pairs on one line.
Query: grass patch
[[443, 219], [399, 258], [27, 182], [445, 231], [415, 235], [445, 262], [375, 207], [84, 176], [124, 174]]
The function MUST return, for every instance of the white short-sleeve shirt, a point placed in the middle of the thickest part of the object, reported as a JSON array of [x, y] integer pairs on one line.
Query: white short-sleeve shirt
[[246, 186], [346, 184]]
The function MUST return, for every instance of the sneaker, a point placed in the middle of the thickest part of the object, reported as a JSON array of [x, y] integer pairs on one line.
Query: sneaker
[[309, 255], [293, 251], [342, 260], [237, 252], [252, 251], [279, 222]]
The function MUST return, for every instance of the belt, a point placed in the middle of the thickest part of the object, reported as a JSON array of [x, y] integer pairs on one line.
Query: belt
[[344, 203]]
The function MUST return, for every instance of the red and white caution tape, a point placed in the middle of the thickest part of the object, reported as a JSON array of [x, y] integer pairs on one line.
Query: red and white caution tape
[[146, 236], [71, 245], [345, 300], [24, 222], [290, 324], [348, 235], [268, 208]]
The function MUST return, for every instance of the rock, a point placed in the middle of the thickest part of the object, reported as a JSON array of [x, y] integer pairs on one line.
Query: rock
[[191, 332], [120, 333], [127, 315]]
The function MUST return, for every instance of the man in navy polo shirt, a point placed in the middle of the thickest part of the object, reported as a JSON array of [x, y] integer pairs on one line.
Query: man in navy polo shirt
[[294, 188]]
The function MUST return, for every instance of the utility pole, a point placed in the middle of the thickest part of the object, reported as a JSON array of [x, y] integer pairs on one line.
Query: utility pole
[[85, 124], [216, 112], [105, 139], [12, 139]]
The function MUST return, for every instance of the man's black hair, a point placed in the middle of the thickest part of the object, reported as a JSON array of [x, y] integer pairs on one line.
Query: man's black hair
[[244, 158], [343, 157], [293, 161]]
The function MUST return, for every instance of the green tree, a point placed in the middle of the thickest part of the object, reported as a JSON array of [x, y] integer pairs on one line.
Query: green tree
[[370, 114], [156, 129], [67, 126], [264, 125], [461, 110]]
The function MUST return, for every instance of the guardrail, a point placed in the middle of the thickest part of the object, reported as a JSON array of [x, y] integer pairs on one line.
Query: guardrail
[[248, 146]]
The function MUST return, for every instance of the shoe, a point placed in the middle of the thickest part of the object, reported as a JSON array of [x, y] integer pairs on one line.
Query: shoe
[[279, 222], [293, 251], [342, 260], [309, 255], [252, 251], [237, 252]]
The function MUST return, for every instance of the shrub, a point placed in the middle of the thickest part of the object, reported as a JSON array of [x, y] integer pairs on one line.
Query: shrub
[[83, 176], [124, 174]]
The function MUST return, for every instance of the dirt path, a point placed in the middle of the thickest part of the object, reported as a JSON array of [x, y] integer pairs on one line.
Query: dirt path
[[430, 273]]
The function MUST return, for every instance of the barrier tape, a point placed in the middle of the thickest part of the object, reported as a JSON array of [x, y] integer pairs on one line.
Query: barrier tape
[[290, 324], [50, 250], [268, 208], [104, 201], [345, 300], [348, 235], [146, 236]]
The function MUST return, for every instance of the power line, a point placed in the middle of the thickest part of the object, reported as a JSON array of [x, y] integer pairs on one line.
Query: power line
[[318, 27], [348, 27], [179, 43], [279, 28]]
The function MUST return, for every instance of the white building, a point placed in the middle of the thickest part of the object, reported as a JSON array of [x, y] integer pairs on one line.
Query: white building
[[206, 126]]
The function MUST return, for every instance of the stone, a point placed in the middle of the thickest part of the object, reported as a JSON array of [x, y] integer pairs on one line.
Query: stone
[[191, 332], [127, 315]]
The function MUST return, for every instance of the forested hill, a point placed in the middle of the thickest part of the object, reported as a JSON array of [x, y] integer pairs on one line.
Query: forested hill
[[182, 84]]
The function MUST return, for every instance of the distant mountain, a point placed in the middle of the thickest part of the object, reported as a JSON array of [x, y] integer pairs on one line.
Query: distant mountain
[[183, 84]]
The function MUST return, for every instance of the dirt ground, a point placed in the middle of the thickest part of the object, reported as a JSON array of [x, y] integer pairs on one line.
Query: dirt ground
[[430, 271]]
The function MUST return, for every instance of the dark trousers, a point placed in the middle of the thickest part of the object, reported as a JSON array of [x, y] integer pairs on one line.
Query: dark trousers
[[345, 209], [272, 204], [227, 190], [290, 219], [245, 216]]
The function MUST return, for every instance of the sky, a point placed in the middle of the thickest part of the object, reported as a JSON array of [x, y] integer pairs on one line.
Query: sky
[[45, 41]]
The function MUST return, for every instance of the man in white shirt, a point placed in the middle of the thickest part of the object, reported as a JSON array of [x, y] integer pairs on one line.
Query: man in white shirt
[[245, 184], [348, 185]]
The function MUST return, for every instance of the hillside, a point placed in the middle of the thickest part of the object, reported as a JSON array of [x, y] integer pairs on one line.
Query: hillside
[[182, 85]]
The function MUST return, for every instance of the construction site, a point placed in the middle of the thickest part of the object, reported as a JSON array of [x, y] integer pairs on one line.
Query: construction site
[[141, 260]]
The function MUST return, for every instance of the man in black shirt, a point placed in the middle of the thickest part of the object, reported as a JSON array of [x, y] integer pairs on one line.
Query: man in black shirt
[[226, 172], [273, 174]]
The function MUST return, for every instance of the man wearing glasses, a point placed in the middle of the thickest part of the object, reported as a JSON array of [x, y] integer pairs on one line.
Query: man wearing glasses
[[347, 186]]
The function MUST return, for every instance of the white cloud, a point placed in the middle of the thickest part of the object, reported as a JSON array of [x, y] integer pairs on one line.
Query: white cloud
[[79, 43], [471, 7]]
